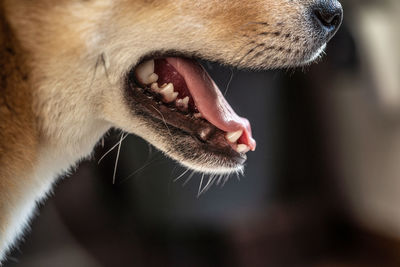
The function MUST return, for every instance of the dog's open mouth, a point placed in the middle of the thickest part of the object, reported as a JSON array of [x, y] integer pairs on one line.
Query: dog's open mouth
[[180, 93]]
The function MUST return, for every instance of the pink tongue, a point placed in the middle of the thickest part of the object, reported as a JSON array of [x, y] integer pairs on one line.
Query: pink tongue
[[210, 101]]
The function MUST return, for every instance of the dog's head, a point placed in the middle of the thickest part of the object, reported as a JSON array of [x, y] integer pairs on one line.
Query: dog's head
[[131, 64]]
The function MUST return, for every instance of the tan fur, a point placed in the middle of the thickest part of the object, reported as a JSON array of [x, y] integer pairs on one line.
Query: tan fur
[[63, 67]]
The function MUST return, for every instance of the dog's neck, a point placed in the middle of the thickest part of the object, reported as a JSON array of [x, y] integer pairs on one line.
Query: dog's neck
[[29, 161], [18, 125], [18, 131]]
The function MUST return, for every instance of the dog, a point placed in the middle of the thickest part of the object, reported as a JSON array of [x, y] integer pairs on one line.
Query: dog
[[73, 69]]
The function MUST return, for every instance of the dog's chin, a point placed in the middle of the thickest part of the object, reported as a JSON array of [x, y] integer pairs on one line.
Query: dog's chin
[[203, 157], [214, 155], [315, 55]]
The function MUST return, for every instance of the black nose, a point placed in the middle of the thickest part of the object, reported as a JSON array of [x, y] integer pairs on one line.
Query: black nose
[[328, 15]]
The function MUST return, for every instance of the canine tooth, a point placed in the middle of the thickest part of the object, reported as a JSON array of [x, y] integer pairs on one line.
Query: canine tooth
[[234, 136], [145, 71], [242, 148], [168, 93]]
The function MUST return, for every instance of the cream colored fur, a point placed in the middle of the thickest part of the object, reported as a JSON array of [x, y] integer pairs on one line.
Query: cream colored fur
[[65, 63]]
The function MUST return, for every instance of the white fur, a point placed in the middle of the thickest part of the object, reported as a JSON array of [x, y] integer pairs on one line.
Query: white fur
[[54, 161]]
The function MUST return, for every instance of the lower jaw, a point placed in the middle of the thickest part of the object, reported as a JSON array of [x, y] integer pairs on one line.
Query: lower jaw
[[194, 142]]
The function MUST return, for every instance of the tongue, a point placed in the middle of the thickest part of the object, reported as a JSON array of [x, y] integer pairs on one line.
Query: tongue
[[210, 101]]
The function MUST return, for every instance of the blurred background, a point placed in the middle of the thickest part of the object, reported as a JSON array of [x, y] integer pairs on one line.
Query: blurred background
[[322, 189]]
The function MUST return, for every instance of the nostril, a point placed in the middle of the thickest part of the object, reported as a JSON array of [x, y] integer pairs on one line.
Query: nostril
[[328, 16], [327, 19]]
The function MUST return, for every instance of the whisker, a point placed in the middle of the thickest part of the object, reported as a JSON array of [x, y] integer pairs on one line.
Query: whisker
[[226, 178], [150, 148], [254, 23], [201, 183], [218, 178], [145, 165], [262, 52], [112, 148], [170, 180], [96, 65], [212, 179], [117, 157], [250, 52], [258, 24], [208, 185], [103, 61], [163, 118], [238, 176], [188, 179], [240, 49], [229, 82], [180, 176]]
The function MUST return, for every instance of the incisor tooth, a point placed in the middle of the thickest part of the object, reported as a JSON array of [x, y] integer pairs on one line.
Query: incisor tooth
[[234, 136], [145, 71], [242, 148]]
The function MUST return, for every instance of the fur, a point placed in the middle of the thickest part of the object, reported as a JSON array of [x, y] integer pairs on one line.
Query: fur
[[64, 63]]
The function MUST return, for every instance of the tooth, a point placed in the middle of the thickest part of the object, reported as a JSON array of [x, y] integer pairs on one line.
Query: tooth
[[155, 88], [242, 148], [145, 72], [234, 136], [152, 78], [205, 133], [172, 97], [198, 115], [168, 93], [179, 103], [183, 103], [168, 89]]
